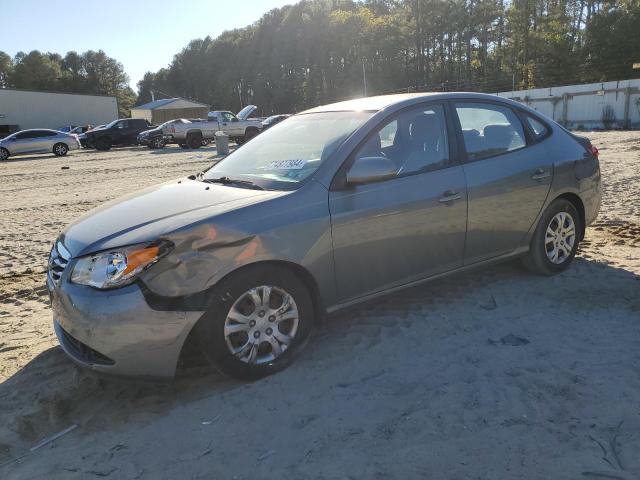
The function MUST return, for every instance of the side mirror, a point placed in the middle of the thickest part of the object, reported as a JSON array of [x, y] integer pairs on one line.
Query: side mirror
[[371, 169]]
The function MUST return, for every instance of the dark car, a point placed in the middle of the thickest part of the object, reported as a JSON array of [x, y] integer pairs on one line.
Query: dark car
[[123, 131], [155, 138], [272, 120]]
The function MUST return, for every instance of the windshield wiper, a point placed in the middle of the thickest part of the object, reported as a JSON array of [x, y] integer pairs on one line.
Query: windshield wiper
[[232, 181]]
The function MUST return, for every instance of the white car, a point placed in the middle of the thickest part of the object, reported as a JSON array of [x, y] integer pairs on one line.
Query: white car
[[38, 141]]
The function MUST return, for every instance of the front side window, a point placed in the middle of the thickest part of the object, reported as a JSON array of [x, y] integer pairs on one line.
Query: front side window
[[287, 153], [489, 130], [416, 141], [228, 117]]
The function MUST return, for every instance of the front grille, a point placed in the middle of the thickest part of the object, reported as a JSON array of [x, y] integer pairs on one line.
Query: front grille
[[58, 260], [82, 352]]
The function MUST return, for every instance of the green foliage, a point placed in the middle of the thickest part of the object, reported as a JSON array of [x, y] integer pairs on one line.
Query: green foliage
[[91, 73], [319, 51], [313, 52]]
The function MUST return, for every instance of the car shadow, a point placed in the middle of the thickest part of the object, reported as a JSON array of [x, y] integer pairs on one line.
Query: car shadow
[[50, 393]]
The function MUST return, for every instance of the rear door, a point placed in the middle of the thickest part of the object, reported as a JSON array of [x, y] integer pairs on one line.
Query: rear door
[[409, 227], [508, 178]]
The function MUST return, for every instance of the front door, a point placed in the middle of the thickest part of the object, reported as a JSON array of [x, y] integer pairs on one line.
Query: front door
[[408, 227], [507, 180]]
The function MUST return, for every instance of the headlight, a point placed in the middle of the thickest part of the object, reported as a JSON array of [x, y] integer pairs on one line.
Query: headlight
[[117, 267]]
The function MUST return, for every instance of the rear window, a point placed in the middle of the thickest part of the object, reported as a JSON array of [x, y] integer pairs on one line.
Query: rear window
[[538, 128]]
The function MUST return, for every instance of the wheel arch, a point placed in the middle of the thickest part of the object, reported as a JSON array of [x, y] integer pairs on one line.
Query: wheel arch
[[579, 205], [190, 348]]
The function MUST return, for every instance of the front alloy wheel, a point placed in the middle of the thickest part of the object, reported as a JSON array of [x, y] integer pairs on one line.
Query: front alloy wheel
[[258, 318], [261, 324], [60, 149]]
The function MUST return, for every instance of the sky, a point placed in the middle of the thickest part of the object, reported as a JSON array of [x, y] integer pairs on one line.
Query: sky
[[143, 35]]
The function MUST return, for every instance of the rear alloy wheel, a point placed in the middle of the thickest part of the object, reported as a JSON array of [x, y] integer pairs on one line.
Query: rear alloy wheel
[[60, 149], [4, 154], [556, 239], [157, 142], [254, 327]]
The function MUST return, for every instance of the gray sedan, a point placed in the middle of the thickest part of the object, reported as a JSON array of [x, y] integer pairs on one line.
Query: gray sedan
[[338, 205], [38, 141]]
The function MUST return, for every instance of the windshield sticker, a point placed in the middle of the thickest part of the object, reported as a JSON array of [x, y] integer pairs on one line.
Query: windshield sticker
[[287, 164]]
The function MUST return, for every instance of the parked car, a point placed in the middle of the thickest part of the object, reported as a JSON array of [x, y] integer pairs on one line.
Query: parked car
[[123, 131], [272, 120], [240, 128], [156, 138], [38, 141], [336, 206]]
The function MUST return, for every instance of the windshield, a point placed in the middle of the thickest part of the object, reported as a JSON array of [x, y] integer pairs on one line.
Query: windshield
[[289, 152]]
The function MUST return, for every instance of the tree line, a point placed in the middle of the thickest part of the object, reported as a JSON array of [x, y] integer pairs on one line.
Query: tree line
[[319, 51], [90, 72]]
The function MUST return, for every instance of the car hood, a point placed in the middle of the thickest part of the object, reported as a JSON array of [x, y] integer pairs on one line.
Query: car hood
[[246, 111], [156, 211]]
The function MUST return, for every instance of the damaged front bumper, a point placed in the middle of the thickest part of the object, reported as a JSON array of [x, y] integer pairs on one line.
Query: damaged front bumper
[[116, 331]]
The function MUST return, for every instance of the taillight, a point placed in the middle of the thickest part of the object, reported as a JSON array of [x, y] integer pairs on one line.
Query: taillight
[[594, 150]]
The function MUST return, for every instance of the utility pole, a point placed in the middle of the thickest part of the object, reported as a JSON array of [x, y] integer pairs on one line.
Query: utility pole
[[153, 96], [364, 78]]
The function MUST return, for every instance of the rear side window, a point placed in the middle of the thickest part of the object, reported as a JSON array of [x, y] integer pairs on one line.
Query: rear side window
[[25, 135], [489, 130], [538, 128]]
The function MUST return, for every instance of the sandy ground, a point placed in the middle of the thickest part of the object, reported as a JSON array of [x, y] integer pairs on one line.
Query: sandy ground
[[494, 374]]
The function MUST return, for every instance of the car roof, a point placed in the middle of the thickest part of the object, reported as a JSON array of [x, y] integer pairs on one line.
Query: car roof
[[38, 130], [382, 102]]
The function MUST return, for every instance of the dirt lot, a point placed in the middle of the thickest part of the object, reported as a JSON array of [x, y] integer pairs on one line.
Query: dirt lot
[[494, 374]]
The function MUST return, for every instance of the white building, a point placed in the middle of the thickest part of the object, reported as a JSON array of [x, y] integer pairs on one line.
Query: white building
[[602, 105], [30, 109]]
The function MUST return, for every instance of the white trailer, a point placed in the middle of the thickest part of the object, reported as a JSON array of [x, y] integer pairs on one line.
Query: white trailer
[[30, 109]]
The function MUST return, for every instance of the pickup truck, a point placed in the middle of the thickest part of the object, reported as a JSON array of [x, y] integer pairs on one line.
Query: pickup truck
[[239, 128]]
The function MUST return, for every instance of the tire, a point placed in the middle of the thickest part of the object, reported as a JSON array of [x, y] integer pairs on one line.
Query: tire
[[205, 142], [183, 146], [233, 293], [60, 149], [239, 140], [553, 246], [157, 143], [4, 154], [194, 140], [103, 143], [250, 133]]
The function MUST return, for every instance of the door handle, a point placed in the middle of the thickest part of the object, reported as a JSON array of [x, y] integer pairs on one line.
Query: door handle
[[450, 196], [540, 174]]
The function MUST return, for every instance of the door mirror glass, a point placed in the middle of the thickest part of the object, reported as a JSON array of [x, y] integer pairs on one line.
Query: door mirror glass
[[371, 169]]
